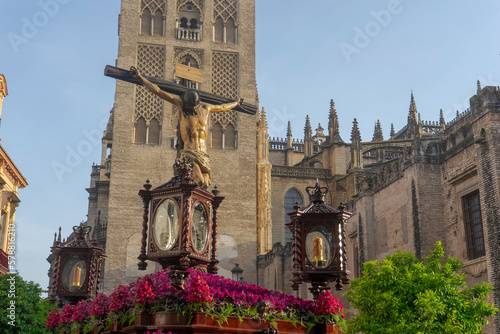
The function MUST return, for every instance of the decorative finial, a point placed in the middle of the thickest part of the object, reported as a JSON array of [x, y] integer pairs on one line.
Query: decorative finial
[[216, 191], [147, 185], [82, 231], [441, 118], [317, 193], [393, 133], [289, 130], [478, 87]]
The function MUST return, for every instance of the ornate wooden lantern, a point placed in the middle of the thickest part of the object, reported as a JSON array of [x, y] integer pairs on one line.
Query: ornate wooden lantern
[[319, 243], [182, 224], [77, 268]]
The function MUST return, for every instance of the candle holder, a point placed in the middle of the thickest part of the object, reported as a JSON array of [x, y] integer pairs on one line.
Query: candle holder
[[318, 244], [77, 268]]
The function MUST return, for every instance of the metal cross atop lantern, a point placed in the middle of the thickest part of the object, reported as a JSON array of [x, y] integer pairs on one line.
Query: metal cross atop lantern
[[319, 243], [77, 268], [180, 219]]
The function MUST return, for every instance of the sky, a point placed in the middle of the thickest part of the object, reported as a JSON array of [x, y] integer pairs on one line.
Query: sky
[[365, 55]]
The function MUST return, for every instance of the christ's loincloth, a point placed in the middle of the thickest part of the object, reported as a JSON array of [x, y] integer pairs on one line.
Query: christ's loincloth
[[200, 158]]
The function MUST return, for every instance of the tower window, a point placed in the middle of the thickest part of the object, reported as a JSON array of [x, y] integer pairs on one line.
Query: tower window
[[473, 225], [193, 24], [184, 22], [147, 134]]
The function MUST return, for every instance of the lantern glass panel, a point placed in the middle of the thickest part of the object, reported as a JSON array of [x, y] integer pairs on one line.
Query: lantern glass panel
[[166, 225], [73, 274], [199, 227], [320, 246]]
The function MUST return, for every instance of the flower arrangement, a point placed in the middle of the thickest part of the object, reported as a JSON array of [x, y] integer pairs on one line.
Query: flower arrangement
[[215, 295]]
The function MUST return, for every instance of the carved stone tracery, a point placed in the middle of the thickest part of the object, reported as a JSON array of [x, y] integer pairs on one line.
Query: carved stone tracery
[[151, 62], [197, 3], [181, 53], [225, 9], [153, 6], [225, 83]]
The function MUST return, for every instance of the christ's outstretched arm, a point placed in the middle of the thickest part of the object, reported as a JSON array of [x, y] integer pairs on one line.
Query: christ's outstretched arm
[[225, 106], [155, 89]]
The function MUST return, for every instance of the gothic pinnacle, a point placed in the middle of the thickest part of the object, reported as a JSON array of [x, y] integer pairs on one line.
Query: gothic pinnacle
[[393, 133], [308, 128], [413, 106], [355, 135], [478, 87], [263, 121], [377, 134], [289, 131]]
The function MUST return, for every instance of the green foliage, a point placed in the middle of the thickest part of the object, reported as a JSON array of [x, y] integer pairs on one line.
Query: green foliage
[[402, 294], [28, 310]]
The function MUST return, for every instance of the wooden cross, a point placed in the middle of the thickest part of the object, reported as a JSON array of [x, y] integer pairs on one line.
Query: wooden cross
[[173, 88]]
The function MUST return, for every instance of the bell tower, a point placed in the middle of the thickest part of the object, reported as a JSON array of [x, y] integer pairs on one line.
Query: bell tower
[[202, 44]]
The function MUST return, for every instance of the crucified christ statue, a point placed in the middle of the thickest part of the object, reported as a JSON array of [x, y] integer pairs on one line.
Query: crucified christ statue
[[193, 124]]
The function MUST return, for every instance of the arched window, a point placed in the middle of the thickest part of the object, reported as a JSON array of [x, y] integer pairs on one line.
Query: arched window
[[184, 22], [140, 131], [146, 22], [291, 197], [147, 135], [193, 24], [216, 136], [158, 24], [230, 31], [154, 132], [219, 30], [230, 137]]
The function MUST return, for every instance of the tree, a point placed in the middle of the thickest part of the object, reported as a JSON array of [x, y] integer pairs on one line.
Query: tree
[[402, 294], [22, 309]]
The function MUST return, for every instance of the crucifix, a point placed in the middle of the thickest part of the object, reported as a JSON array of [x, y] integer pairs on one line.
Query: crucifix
[[194, 108]]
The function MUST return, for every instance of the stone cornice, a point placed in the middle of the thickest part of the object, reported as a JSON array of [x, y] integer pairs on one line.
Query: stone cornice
[[9, 165]]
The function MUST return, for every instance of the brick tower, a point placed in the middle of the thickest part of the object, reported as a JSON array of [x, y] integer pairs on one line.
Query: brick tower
[[217, 37]]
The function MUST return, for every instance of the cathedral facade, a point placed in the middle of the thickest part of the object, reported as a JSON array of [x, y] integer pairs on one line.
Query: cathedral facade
[[429, 181]]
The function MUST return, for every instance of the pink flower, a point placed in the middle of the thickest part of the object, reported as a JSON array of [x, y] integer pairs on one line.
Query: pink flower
[[53, 319], [66, 314], [197, 290], [144, 292], [100, 305], [81, 311], [328, 304], [119, 299]]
